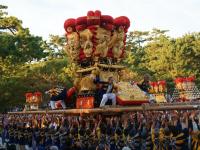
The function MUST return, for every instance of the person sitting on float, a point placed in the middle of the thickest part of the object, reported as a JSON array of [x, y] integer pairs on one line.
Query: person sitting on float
[[62, 95], [145, 85], [109, 95]]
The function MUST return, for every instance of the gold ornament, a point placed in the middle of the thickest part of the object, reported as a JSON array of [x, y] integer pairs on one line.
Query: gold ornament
[[86, 42], [103, 37], [72, 47], [117, 42]]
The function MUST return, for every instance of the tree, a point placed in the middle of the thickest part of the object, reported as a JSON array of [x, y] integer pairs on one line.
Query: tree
[[56, 46], [17, 48], [168, 57], [136, 52], [159, 57]]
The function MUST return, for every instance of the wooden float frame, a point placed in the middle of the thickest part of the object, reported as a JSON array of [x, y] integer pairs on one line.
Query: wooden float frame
[[118, 109]]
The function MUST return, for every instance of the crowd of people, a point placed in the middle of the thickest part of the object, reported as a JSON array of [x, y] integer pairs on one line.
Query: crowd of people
[[156, 130]]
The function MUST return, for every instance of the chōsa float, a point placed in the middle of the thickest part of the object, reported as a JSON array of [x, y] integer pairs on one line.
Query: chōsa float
[[96, 45]]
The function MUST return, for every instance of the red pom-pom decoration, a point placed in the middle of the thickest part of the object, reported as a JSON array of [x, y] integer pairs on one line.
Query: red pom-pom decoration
[[106, 19], [81, 23], [107, 22], [122, 21], [90, 13], [81, 27], [109, 27], [70, 23], [93, 18], [81, 20]]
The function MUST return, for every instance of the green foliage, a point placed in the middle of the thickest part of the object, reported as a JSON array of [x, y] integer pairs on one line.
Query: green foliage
[[56, 46], [17, 47], [163, 57], [40, 76], [136, 52], [20, 48]]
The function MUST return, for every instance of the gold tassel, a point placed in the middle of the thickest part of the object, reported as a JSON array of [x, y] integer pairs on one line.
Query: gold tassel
[[98, 133]]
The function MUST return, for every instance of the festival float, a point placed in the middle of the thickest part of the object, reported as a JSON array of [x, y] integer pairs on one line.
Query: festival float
[[185, 89], [96, 47], [158, 90], [33, 100], [96, 44]]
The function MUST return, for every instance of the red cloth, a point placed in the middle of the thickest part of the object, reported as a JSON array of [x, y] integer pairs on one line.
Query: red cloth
[[70, 92]]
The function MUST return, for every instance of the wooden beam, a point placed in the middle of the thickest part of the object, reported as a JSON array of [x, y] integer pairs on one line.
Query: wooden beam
[[116, 110]]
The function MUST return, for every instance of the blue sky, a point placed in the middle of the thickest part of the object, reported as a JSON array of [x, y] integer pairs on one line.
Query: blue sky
[[45, 17]]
